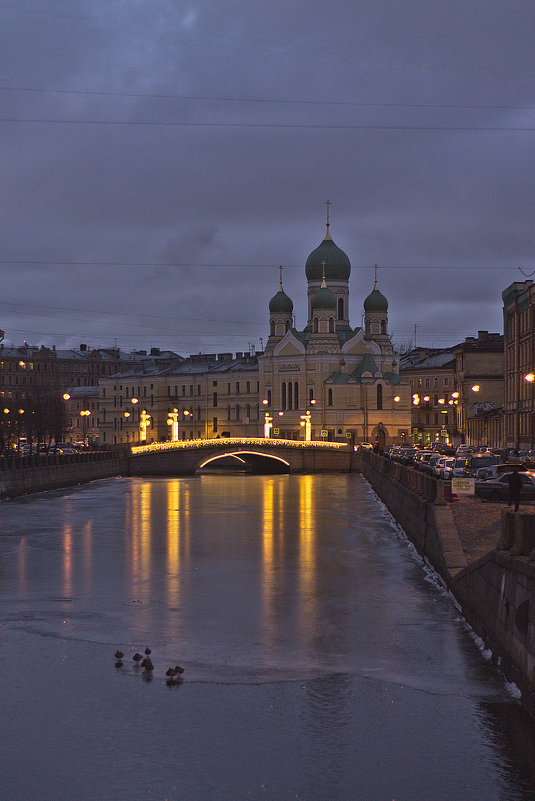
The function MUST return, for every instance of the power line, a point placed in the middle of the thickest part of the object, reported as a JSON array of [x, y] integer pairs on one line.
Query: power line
[[270, 125], [185, 265], [266, 100]]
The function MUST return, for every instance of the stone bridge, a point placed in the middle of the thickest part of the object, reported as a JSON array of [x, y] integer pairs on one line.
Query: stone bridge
[[252, 455]]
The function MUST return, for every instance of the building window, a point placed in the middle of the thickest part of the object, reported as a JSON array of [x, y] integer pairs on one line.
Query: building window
[[340, 308], [237, 411], [330, 397], [214, 425], [214, 399], [237, 387], [290, 394], [379, 396]]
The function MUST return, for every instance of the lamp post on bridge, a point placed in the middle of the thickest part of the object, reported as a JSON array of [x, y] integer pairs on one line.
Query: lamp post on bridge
[[172, 420], [144, 422], [268, 425], [307, 424]]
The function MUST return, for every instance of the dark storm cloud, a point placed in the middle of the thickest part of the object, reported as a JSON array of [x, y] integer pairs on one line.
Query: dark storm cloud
[[445, 212]]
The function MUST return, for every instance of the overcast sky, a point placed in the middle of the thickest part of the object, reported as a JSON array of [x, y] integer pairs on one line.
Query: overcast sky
[[161, 159]]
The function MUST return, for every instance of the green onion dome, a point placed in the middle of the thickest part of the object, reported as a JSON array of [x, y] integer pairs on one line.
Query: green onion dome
[[337, 264], [281, 303], [375, 302]]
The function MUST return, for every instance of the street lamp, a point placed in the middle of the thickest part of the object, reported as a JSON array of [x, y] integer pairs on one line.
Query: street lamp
[[306, 423], [83, 414], [268, 425], [144, 422], [530, 378], [172, 420]]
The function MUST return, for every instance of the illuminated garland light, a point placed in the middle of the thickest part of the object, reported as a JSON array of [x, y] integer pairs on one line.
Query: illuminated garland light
[[192, 444]]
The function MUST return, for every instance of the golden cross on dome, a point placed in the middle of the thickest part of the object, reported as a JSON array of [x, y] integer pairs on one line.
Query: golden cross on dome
[[280, 275]]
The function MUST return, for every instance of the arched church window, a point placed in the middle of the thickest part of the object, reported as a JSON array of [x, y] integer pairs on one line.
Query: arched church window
[[315, 325], [269, 397], [340, 308], [310, 394], [367, 326], [379, 396], [383, 326], [283, 395], [331, 325], [272, 328], [287, 325], [290, 393], [296, 395]]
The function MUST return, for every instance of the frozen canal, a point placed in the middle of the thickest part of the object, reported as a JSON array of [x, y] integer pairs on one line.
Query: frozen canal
[[321, 661]]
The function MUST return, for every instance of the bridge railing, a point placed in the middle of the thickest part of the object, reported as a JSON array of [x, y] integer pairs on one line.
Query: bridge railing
[[223, 442]]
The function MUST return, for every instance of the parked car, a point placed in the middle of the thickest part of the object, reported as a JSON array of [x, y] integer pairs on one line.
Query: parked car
[[366, 446], [495, 470], [464, 450], [497, 489], [456, 470], [475, 462], [408, 455]]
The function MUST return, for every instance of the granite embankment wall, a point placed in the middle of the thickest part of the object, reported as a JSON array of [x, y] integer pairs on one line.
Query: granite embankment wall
[[496, 593], [21, 475]]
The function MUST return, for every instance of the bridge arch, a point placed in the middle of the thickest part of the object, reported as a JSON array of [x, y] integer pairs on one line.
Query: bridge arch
[[253, 460]]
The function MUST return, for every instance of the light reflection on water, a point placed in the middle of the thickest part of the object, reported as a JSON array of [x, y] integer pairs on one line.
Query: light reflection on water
[[320, 662]]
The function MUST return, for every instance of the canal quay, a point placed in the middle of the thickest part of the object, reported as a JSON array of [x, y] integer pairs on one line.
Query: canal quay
[[323, 659]]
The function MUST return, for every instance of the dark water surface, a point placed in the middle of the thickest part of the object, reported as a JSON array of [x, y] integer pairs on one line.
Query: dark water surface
[[323, 663]]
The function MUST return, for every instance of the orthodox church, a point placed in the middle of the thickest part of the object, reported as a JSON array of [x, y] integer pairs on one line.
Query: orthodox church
[[345, 379]]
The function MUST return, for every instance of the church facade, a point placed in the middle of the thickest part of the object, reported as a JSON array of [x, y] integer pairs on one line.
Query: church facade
[[345, 379], [329, 381]]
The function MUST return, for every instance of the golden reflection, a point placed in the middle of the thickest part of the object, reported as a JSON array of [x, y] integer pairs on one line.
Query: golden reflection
[[173, 543], [67, 561], [307, 543], [140, 523], [145, 532], [268, 552]]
